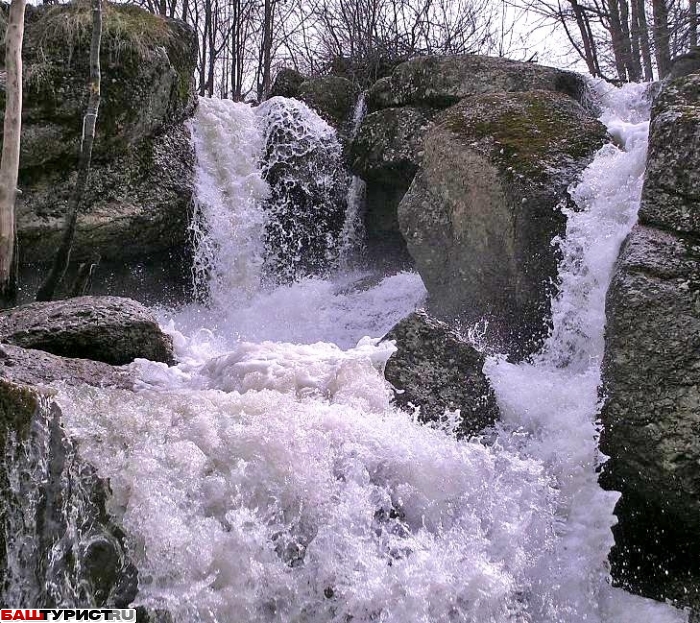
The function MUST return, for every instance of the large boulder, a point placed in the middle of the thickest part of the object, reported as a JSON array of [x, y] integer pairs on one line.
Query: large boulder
[[334, 98], [140, 186], [138, 203], [442, 81], [386, 153], [435, 370], [109, 329], [651, 367], [481, 214]]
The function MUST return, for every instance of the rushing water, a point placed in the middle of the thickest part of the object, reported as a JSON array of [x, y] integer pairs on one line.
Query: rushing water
[[267, 476]]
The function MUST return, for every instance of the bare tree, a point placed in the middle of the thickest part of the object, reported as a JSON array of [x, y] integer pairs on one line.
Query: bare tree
[[9, 166], [662, 37]]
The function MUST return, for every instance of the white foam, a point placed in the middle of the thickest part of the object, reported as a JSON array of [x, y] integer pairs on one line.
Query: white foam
[[267, 477]]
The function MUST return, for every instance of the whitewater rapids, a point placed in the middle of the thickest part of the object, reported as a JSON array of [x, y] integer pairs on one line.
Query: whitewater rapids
[[268, 478]]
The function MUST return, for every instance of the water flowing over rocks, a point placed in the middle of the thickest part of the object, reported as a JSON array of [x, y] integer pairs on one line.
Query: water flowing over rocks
[[141, 179], [333, 97], [651, 363], [305, 211], [482, 213], [109, 329], [58, 545], [436, 370]]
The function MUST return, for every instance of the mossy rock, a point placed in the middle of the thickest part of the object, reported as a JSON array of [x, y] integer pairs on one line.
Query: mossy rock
[[333, 98], [480, 216], [287, 83], [442, 81], [147, 65], [526, 134], [18, 403]]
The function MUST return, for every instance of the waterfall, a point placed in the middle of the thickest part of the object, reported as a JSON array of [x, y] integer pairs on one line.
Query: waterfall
[[554, 398], [353, 232], [228, 224], [303, 165], [60, 551], [268, 478]]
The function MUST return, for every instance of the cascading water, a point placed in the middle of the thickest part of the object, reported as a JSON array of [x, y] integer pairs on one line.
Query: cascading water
[[303, 165], [274, 480], [59, 549], [352, 234]]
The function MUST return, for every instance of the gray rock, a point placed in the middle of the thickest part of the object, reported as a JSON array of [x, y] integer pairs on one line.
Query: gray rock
[[386, 153], [671, 197], [436, 370], [685, 64], [651, 368], [287, 83], [136, 203], [140, 185], [57, 540], [480, 216], [36, 367], [441, 81], [109, 329], [333, 98]]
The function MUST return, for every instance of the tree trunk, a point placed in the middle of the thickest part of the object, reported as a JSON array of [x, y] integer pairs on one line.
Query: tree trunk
[[662, 38], [62, 258], [632, 61], [693, 22], [639, 21], [617, 38], [9, 165]]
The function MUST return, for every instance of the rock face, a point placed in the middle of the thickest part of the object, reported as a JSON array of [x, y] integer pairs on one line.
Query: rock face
[[109, 329], [58, 545], [388, 149], [386, 153], [651, 367], [141, 179], [442, 81], [334, 98], [436, 370], [480, 216]]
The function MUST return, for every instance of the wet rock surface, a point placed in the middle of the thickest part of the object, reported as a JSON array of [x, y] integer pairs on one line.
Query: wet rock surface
[[58, 545], [651, 415], [386, 153], [436, 370], [140, 185], [108, 329], [480, 217]]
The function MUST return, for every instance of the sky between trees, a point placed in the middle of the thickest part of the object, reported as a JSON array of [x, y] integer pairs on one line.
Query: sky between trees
[[244, 42]]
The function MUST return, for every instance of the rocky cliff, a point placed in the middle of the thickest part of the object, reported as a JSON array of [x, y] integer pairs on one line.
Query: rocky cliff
[[140, 184], [651, 368]]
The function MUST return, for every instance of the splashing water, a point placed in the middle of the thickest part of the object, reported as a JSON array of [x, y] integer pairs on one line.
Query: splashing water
[[353, 232], [553, 399], [274, 480], [227, 225], [303, 165]]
